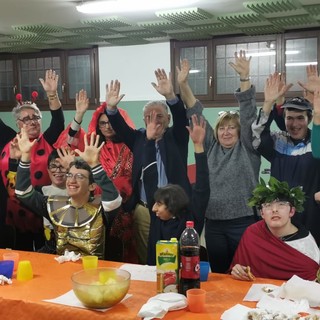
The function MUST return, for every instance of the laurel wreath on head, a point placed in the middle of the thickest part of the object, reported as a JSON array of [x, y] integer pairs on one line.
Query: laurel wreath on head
[[275, 190]]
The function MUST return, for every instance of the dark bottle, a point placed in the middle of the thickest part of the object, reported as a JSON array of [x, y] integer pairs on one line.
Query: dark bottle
[[189, 259]]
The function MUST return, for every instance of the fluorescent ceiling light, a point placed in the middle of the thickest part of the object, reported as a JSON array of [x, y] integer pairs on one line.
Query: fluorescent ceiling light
[[112, 6], [194, 71]]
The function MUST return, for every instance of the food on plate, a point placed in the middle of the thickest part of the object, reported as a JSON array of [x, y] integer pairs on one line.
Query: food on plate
[[266, 315]]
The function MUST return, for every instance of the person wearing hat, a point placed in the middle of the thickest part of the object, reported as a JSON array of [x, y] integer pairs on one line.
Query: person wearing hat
[[274, 247], [289, 151]]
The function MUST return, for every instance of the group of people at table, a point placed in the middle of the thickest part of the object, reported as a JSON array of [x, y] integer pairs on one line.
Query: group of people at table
[[114, 190]]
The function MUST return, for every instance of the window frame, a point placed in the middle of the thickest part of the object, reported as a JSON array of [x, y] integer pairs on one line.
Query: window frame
[[212, 99], [68, 104]]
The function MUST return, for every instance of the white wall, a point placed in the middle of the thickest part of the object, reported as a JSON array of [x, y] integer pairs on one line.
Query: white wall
[[134, 67]]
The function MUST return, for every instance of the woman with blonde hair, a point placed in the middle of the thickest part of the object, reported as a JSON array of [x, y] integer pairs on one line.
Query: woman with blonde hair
[[233, 167]]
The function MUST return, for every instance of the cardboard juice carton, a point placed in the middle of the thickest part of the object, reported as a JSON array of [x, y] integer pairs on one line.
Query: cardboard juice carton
[[167, 255]]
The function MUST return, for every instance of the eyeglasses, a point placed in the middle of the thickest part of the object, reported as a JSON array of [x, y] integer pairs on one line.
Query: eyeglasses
[[55, 168], [232, 112], [104, 123], [77, 176], [28, 120], [280, 205]]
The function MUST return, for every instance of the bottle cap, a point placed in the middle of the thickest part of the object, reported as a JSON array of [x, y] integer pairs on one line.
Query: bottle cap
[[190, 224], [173, 240]]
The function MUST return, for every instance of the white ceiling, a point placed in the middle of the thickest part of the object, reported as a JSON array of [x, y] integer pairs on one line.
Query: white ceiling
[[33, 25]]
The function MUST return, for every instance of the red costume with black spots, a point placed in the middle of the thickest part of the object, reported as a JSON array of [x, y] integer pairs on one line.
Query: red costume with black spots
[[22, 218]]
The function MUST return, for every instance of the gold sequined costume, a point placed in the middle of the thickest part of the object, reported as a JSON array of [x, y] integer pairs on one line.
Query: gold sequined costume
[[77, 229]]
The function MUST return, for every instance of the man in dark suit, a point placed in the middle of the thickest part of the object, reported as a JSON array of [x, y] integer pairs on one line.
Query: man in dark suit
[[171, 144]]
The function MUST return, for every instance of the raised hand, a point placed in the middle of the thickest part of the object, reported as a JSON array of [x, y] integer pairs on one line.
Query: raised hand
[[273, 89], [66, 156], [113, 96], [164, 86], [82, 105], [15, 152], [281, 88], [25, 144], [183, 71], [91, 150], [197, 132], [241, 64], [313, 80], [316, 106], [50, 84], [153, 130]]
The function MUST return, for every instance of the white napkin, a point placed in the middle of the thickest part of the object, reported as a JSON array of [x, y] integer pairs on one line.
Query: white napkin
[[297, 288], [4, 280], [257, 291], [70, 299], [236, 312], [140, 272], [159, 305], [285, 306], [68, 256]]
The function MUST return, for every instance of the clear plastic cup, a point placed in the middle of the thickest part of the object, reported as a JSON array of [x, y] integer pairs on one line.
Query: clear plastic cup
[[12, 255]]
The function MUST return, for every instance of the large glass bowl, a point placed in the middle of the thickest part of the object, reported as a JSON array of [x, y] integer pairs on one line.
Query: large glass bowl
[[101, 287]]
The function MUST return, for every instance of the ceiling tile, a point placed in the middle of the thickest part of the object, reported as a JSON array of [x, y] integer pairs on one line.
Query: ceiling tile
[[184, 15], [266, 7]]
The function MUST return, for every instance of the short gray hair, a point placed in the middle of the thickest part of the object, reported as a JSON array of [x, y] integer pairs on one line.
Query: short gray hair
[[25, 105], [155, 103]]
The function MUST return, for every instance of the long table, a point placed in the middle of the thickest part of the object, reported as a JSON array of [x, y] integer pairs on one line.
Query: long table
[[24, 300]]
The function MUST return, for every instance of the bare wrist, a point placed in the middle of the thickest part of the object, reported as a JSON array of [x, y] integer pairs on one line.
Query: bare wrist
[[111, 106], [94, 164], [198, 148], [25, 156], [170, 96]]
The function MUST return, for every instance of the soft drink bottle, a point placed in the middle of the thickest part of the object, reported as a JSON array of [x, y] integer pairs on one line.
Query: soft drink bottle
[[189, 259]]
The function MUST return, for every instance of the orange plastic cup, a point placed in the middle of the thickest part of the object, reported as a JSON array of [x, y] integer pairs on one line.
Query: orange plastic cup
[[196, 300]]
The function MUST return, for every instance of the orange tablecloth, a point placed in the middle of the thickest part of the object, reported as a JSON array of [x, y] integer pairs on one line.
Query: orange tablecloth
[[23, 300]]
